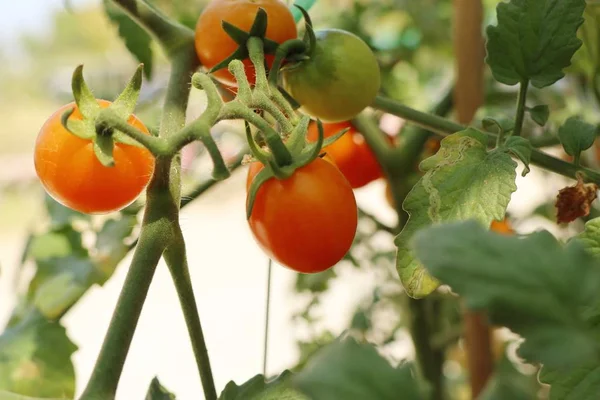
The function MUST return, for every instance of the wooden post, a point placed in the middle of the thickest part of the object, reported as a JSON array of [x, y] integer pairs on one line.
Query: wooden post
[[468, 96]]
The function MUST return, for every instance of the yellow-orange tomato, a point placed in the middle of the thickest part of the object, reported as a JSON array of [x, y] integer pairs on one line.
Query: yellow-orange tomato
[[213, 44], [350, 153], [308, 221], [70, 172]]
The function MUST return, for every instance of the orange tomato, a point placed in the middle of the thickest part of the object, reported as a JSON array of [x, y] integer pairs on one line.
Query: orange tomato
[[308, 221], [502, 227], [214, 45], [350, 153], [70, 172]]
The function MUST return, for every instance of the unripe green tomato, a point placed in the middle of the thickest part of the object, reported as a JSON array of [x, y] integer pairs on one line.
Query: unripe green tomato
[[339, 80]]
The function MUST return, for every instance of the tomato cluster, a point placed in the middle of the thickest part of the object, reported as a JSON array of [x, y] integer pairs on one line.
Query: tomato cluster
[[305, 220]]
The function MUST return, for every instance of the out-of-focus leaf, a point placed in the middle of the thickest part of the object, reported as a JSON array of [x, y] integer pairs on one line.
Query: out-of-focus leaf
[[258, 388], [137, 41], [541, 290], [346, 369], [35, 359], [508, 383]]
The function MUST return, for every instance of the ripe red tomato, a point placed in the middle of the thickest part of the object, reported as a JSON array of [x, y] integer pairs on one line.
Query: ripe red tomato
[[340, 79], [308, 221], [350, 153], [214, 45], [70, 172]]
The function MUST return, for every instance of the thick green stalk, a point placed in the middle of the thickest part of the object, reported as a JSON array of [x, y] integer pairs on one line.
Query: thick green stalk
[[107, 371], [446, 127], [175, 256]]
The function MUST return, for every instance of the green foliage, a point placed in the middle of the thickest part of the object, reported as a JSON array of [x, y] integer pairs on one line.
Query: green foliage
[[590, 237], [578, 383], [156, 391], [347, 369], [576, 135], [508, 383], [520, 148], [534, 40], [539, 289], [540, 114], [35, 351], [35, 359], [136, 39], [463, 180], [258, 388]]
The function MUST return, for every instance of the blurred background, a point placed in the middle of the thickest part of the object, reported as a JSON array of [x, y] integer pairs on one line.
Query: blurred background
[[42, 41]]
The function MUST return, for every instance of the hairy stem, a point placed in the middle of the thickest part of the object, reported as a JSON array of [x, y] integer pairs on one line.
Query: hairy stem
[[446, 127], [176, 259], [520, 117], [107, 371]]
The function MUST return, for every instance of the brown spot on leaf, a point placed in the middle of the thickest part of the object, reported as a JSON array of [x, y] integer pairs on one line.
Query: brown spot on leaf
[[575, 201]]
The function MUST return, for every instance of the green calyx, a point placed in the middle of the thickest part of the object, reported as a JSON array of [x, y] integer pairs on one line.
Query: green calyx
[[241, 37], [100, 125], [302, 152]]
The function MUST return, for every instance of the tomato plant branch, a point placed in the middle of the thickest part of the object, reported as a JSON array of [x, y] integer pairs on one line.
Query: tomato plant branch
[[169, 34], [109, 365], [378, 224], [520, 117], [446, 127], [109, 119], [176, 259]]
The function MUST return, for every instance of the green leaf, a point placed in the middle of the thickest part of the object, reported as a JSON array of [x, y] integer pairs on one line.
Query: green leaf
[[539, 289], [578, 383], [259, 389], [500, 125], [156, 391], [461, 181], [508, 383], [306, 4], [534, 40], [137, 41], [110, 246], [13, 396], [540, 114], [576, 135], [61, 215], [520, 148], [35, 359], [590, 237], [346, 369]]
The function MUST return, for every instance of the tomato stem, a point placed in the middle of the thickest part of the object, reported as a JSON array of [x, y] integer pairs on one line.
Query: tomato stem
[[176, 259], [109, 365], [446, 127], [520, 115]]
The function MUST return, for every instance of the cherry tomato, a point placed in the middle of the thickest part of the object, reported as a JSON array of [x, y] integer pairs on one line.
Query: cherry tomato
[[70, 172], [340, 79], [350, 153], [308, 221], [502, 227], [214, 45]]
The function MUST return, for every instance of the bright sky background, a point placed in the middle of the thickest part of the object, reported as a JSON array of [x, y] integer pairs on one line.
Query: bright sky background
[[28, 16]]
